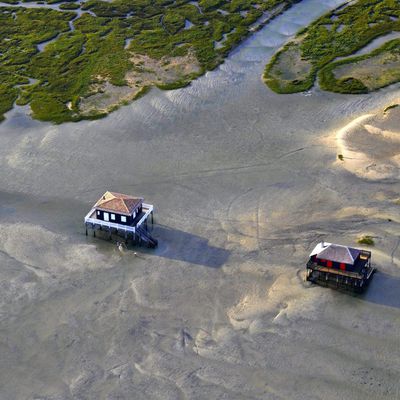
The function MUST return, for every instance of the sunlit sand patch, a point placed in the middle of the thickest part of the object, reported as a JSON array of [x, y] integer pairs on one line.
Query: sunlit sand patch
[[35, 261], [46, 252], [287, 300], [370, 146]]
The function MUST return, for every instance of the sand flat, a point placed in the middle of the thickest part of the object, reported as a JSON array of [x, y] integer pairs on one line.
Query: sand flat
[[245, 183]]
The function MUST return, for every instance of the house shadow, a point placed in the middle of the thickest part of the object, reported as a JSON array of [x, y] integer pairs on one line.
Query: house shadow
[[384, 289], [178, 245]]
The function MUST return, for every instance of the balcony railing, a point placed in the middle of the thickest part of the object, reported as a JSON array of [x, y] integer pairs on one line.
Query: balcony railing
[[146, 208], [312, 265]]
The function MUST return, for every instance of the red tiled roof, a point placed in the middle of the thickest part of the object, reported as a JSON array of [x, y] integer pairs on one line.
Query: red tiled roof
[[118, 202]]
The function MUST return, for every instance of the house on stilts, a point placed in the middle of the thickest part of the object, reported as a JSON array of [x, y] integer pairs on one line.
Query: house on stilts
[[123, 214], [340, 266]]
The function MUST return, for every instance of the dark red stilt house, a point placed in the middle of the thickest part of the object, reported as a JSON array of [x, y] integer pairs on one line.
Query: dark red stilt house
[[340, 266]]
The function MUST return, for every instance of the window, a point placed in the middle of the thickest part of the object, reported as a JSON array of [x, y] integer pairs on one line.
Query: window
[[106, 217], [343, 266], [123, 218], [98, 212], [329, 263], [112, 217]]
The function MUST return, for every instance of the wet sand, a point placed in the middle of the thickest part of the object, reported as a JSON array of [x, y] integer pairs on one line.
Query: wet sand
[[245, 182]]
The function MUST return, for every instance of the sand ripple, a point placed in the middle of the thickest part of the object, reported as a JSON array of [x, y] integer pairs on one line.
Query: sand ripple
[[286, 301]]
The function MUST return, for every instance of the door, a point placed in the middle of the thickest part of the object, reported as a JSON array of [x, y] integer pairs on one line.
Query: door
[[106, 216]]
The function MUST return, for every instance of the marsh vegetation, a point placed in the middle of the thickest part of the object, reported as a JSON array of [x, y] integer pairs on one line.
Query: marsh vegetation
[[324, 50], [87, 68]]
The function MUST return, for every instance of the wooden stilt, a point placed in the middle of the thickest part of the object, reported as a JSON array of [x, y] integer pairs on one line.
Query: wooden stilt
[[86, 230]]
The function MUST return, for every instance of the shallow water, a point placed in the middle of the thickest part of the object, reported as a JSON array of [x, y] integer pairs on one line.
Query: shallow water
[[244, 184], [378, 42], [41, 46], [127, 42]]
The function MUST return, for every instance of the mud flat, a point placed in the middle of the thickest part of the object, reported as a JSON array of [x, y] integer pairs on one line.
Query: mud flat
[[244, 185]]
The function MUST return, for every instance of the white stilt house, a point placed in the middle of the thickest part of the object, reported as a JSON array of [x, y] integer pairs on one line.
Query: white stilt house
[[123, 214]]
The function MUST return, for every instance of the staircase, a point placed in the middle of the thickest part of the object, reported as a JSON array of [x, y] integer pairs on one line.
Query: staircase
[[146, 237]]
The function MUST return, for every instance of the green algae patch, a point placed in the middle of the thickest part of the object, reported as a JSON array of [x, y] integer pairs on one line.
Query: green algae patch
[[367, 240], [84, 60], [324, 50], [391, 107]]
